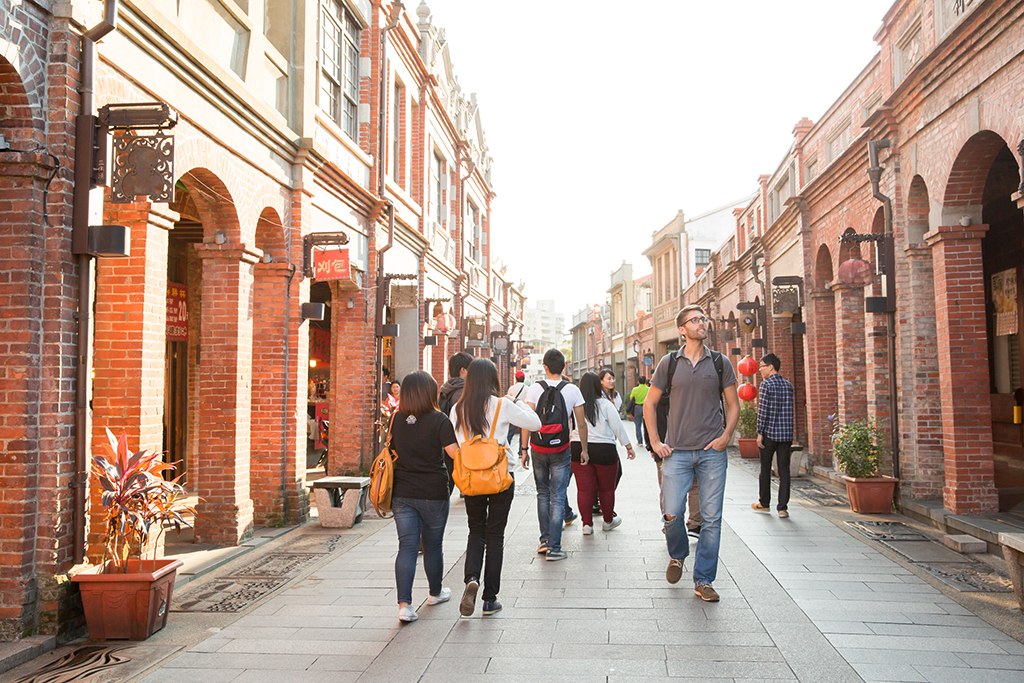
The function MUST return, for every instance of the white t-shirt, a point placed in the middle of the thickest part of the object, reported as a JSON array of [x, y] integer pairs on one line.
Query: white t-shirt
[[516, 413], [517, 391], [608, 427], [570, 393]]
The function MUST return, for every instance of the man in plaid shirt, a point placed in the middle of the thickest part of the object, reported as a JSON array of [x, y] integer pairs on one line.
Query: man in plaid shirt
[[774, 432]]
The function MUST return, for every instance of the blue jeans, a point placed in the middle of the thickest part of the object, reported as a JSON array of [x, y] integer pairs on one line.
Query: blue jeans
[[638, 423], [677, 474], [551, 472], [415, 517]]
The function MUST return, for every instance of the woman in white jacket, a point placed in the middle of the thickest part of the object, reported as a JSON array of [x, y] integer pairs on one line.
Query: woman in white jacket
[[599, 472], [488, 514]]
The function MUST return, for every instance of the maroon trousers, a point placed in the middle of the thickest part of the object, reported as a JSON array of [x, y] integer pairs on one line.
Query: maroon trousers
[[591, 479]]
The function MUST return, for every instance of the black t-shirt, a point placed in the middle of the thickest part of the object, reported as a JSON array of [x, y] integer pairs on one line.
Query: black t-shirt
[[420, 442]]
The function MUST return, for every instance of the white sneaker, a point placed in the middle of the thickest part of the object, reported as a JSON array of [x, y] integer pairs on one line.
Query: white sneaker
[[444, 596], [588, 530], [608, 526], [407, 614]]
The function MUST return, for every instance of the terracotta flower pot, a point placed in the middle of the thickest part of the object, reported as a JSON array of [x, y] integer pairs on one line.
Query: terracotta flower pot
[[130, 606], [871, 495], [748, 449]]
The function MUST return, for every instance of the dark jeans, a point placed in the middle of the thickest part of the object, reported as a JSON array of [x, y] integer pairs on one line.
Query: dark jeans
[[413, 516], [782, 450], [488, 516], [642, 437]]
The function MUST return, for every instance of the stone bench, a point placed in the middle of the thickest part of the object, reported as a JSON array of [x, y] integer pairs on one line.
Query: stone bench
[[1013, 551], [340, 501]]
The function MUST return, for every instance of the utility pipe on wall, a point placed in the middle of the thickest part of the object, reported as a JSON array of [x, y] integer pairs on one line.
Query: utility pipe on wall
[[80, 228], [875, 175]]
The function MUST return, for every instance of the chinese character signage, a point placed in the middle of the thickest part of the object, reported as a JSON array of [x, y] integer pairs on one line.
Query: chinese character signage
[[332, 264], [177, 312], [1004, 296], [320, 345]]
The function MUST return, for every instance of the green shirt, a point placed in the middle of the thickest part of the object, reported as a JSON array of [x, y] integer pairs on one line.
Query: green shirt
[[639, 394]]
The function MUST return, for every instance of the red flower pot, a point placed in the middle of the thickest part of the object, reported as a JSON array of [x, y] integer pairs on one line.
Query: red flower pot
[[131, 606], [871, 495], [748, 449]]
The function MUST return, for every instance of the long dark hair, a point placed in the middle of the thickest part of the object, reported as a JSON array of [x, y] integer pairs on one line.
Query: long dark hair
[[481, 383], [419, 394], [600, 379], [590, 387]]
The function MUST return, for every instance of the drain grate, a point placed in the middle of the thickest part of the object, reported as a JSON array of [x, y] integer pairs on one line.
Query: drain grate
[[888, 531], [319, 543], [228, 595], [817, 494], [81, 665], [974, 577], [277, 565]]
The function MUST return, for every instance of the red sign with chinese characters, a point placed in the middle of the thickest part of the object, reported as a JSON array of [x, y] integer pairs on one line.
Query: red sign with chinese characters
[[320, 345], [331, 265], [177, 312]]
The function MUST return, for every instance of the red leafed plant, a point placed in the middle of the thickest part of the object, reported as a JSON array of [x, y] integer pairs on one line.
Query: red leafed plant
[[135, 498]]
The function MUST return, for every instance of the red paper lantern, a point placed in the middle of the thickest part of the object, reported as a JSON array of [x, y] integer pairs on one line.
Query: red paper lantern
[[747, 392], [747, 366]]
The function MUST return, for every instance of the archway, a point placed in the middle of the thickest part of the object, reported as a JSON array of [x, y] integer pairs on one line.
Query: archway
[[851, 346], [821, 385]]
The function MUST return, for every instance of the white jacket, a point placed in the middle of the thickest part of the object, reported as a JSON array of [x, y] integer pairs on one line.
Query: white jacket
[[607, 428], [518, 413]]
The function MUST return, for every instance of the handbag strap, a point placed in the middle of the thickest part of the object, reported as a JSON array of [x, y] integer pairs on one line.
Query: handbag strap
[[387, 444]]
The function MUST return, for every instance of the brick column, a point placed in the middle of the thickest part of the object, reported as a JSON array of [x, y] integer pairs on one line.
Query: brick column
[[821, 385], [439, 360], [921, 460], [225, 393], [22, 250], [353, 389], [963, 369], [851, 368], [130, 342]]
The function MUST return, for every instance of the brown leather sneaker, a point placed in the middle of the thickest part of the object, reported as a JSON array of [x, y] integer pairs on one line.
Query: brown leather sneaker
[[705, 592]]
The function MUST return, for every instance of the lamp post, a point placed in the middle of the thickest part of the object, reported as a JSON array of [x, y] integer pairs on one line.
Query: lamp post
[[636, 352]]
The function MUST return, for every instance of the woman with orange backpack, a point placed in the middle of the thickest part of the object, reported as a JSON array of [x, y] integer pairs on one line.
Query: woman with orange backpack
[[482, 418]]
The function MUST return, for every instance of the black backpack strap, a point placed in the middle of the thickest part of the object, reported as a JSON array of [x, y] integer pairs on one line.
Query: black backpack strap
[[673, 358], [561, 384], [716, 358]]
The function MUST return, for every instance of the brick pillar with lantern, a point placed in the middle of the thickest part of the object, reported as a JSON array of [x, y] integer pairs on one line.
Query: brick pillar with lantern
[[822, 381], [850, 365], [966, 410]]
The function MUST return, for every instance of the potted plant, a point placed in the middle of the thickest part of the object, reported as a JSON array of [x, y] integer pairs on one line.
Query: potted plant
[[859, 449], [747, 428], [126, 597]]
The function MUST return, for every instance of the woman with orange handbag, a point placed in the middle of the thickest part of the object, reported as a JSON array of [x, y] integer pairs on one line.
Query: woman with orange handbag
[[474, 414], [420, 436]]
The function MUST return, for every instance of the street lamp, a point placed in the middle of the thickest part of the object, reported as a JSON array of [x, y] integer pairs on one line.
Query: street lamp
[[636, 352]]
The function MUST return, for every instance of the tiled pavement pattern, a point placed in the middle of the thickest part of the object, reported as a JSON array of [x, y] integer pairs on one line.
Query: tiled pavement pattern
[[802, 600]]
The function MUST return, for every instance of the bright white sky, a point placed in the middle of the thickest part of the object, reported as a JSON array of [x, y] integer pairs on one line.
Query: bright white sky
[[605, 118]]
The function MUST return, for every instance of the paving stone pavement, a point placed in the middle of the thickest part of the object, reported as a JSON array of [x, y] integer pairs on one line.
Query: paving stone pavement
[[802, 600]]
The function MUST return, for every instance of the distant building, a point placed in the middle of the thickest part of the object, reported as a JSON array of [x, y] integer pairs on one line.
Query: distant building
[[543, 328]]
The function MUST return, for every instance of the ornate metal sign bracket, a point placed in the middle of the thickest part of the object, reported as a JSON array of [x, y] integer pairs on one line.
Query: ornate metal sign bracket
[[141, 164]]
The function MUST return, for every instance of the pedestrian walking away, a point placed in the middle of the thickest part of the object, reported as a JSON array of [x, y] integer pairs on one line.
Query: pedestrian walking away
[[516, 392], [421, 436], [607, 380], [637, 397], [482, 411], [775, 409], [449, 395], [597, 474], [553, 399], [695, 444]]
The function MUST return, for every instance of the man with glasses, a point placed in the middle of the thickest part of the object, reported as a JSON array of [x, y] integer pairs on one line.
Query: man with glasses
[[695, 445], [774, 432]]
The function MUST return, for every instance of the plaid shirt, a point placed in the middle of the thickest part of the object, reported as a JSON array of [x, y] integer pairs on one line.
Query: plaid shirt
[[775, 409]]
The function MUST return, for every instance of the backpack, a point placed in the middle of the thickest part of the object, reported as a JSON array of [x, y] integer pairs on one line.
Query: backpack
[[663, 404], [481, 465], [382, 477], [553, 435], [445, 402]]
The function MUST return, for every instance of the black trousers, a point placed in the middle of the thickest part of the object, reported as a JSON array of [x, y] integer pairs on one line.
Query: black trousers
[[488, 516], [780, 450]]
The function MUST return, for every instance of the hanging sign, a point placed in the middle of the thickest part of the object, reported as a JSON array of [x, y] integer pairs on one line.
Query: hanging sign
[[320, 345], [177, 312], [332, 264], [1004, 297]]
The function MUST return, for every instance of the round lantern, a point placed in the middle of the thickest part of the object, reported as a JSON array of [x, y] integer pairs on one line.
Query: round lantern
[[747, 392], [747, 366], [856, 273]]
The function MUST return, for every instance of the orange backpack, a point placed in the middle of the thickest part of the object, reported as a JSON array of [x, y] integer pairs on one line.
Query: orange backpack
[[382, 477], [481, 465]]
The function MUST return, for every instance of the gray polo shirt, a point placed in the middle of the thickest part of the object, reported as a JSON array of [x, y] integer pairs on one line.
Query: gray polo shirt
[[695, 411]]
